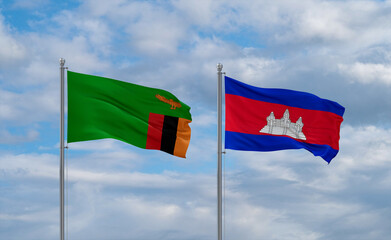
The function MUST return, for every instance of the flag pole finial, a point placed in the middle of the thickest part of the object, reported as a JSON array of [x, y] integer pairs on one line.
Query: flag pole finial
[[62, 62], [219, 67]]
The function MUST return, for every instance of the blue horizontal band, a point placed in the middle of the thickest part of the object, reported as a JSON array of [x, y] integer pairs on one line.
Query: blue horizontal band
[[282, 96], [265, 143]]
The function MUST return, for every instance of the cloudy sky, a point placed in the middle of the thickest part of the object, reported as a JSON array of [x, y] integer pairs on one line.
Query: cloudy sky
[[339, 50]]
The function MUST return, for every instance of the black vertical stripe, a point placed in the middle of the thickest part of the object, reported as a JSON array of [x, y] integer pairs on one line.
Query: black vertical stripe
[[169, 132]]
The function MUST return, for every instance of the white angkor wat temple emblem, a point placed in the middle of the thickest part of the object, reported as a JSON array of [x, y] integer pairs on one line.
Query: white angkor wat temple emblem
[[284, 126]]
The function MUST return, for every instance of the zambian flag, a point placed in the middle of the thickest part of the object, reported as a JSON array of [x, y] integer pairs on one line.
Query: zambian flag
[[145, 117]]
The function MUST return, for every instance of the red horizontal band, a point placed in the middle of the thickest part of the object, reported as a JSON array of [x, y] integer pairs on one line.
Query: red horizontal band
[[246, 115]]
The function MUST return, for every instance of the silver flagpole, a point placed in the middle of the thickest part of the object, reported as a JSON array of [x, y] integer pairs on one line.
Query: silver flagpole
[[62, 62], [219, 152]]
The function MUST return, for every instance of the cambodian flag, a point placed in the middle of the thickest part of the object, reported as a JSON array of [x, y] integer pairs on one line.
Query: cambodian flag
[[261, 119]]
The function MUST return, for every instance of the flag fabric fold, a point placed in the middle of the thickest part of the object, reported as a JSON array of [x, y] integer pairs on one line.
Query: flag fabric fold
[[261, 119], [145, 117]]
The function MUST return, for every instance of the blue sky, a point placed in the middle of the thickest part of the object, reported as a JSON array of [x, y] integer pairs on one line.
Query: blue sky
[[338, 50]]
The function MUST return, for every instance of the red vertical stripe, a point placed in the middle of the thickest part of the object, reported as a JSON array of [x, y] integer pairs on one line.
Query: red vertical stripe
[[155, 127]]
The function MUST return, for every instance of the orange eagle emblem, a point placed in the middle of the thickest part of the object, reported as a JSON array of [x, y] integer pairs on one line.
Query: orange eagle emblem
[[173, 104]]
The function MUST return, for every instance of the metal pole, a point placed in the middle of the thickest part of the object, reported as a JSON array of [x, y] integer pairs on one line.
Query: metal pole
[[219, 152], [62, 62]]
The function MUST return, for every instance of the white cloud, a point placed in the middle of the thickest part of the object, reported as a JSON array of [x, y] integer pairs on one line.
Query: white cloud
[[94, 30], [253, 70], [26, 4], [367, 147], [96, 146], [170, 215], [77, 52], [8, 138], [151, 29], [42, 216], [204, 120], [156, 32], [11, 49], [268, 195], [256, 222], [361, 149], [324, 21], [367, 73], [210, 15], [349, 23], [99, 169], [34, 166], [136, 179], [116, 191], [161, 38], [204, 14], [27, 108]]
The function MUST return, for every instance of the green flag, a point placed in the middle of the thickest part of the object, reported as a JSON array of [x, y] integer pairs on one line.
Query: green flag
[[145, 117]]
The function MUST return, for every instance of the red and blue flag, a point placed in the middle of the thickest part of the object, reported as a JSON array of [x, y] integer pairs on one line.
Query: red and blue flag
[[262, 119]]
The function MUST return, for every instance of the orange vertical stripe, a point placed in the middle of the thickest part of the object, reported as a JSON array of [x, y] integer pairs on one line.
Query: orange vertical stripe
[[183, 137]]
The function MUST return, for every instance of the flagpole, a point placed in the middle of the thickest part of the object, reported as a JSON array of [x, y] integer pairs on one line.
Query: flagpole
[[62, 68], [219, 152]]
